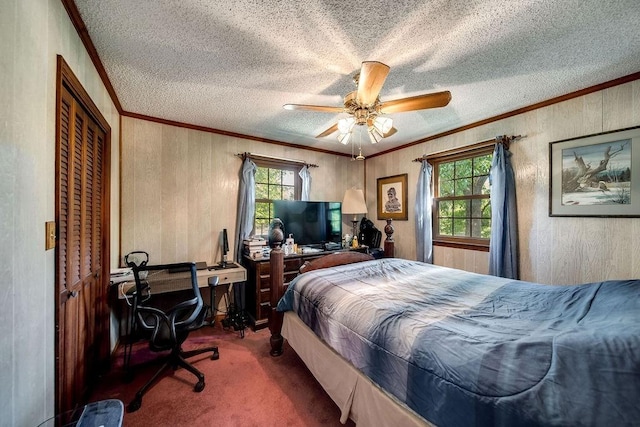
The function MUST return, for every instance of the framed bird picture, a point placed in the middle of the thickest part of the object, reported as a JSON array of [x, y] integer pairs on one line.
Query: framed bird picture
[[596, 175]]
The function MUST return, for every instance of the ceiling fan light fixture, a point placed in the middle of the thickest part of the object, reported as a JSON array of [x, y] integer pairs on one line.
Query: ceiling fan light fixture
[[382, 124], [374, 136], [344, 138], [345, 125]]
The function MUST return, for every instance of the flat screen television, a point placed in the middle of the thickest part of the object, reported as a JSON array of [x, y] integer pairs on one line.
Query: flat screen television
[[311, 223]]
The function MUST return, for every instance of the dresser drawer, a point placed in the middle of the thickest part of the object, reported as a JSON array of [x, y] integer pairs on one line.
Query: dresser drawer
[[264, 295]]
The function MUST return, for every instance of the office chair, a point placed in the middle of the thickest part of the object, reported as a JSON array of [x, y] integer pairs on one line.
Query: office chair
[[167, 329], [370, 236]]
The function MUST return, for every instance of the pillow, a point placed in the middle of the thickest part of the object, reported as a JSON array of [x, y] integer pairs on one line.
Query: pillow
[[337, 258]]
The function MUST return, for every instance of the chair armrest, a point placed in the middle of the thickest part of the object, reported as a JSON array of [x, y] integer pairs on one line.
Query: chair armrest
[[160, 317], [192, 306]]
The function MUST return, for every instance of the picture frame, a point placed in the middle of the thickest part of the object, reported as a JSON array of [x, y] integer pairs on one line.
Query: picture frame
[[392, 197], [596, 175]]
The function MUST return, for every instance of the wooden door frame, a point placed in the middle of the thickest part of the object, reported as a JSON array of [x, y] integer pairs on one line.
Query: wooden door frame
[[67, 79]]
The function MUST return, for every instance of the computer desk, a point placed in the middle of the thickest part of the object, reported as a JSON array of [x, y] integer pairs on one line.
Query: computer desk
[[163, 282]]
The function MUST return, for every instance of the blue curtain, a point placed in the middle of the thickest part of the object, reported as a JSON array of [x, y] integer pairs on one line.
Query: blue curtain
[[424, 198], [246, 205], [306, 182], [503, 249]]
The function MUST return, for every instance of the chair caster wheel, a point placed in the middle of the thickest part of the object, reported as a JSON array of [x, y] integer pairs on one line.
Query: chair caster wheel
[[199, 386], [215, 355], [134, 405]]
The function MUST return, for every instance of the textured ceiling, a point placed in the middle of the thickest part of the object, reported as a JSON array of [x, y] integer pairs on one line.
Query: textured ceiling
[[231, 65]]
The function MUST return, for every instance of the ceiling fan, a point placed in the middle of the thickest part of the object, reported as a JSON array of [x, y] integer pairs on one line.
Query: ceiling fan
[[365, 107]]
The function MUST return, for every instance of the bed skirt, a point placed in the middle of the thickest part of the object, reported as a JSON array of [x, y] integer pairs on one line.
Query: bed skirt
[[355, 394]]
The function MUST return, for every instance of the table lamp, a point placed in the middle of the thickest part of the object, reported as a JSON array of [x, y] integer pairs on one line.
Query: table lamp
[[354, 204]]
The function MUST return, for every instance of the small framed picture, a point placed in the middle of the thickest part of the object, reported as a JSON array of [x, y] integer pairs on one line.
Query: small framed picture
[[596, 175], [392, 197]]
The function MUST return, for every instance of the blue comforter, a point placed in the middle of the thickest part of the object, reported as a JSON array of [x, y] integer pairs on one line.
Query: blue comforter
[[464, 349]]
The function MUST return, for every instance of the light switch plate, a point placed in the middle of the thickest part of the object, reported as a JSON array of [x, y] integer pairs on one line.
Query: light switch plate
[[49, 235]]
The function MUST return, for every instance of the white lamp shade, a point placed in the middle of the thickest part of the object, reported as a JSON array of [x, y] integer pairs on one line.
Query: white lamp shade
[[353, 202], [344, 138], [374, 136], [383, 125], [345, 125]]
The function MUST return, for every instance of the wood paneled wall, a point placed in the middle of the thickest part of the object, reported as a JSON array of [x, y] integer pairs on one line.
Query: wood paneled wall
[[180, 187], [552, 250]]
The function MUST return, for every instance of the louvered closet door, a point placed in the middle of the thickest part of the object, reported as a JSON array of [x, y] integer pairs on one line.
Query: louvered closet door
[[81, 331]]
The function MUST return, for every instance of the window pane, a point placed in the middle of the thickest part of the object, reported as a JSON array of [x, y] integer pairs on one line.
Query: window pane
[[461, 208], [261, 227], [476, 228], [288, 193], [464, 168], [445, 208], [460, 227], [486, 208], [288, 178], [446, 188], [445, 227], [486, 187], [262, 191], [463, 187], [482, 165], [463, 180], [275, 192], [445, 171], [481, 185], [262, 210], [262, 175], [476, 207], [270, 187], [486, 228], [275, 176]]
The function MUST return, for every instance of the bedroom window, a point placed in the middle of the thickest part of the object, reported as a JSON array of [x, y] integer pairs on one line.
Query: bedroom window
[[275, 180], [462, 207]]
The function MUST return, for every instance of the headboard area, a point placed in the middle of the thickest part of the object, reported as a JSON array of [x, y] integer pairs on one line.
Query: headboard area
[[277, 285], [337, 258]]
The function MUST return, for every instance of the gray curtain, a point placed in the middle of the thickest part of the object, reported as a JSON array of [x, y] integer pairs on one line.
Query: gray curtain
[[306, 182], [424, 200], [246, 205], [503, 249]]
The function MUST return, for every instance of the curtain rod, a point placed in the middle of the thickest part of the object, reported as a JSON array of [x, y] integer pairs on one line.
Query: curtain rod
[[500, 139], [265, 157]]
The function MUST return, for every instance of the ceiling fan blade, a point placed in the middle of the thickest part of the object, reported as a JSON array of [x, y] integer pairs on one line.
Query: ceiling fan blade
[[321, 108], [329, 131], [372, 77], [420, 102]]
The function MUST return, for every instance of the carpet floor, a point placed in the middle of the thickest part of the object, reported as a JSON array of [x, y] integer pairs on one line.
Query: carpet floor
[[245, 387]]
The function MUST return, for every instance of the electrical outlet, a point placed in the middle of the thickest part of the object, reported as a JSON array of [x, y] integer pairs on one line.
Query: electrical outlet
[[49, 235]]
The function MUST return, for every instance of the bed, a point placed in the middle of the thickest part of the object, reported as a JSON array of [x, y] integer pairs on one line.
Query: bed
[[431, 345]]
